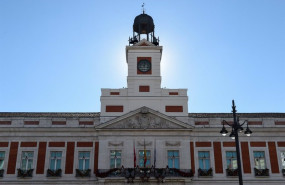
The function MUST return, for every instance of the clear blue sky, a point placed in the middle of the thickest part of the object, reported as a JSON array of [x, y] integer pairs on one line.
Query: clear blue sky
[[56, 55]]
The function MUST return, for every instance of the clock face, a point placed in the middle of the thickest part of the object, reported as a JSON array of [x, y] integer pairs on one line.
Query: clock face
[[144, 65]]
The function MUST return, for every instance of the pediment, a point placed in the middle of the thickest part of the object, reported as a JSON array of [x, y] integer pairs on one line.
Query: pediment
[[144, 42], [144, 118]]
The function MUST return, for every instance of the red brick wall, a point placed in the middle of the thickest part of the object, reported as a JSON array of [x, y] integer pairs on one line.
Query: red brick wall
[[112, 108], [229, 144], [257, 144], [84, 144], [273, 157], [85, 122], [96, 156], [69, 158], [59, 123], [281, 144], [203, 144], [173, 108], [56, 144], [5, 122], [28, 144], [192, 156], [173, 93], [12, 157], [218, 157], [245, 157], [143, 88], [279, 122], [41, 158], [202, 123], [4, 144], [255, 122], [31, 122]]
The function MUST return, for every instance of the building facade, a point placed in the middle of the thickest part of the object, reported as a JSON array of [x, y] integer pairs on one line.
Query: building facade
[[143, 134]]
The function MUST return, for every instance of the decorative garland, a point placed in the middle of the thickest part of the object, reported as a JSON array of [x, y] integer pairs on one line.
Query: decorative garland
[[105, 174], [184, 174]]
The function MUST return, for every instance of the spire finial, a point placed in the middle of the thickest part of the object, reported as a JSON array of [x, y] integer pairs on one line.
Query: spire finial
[[143, 7]]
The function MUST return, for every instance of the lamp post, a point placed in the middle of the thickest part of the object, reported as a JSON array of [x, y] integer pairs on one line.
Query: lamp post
[[236, 128]]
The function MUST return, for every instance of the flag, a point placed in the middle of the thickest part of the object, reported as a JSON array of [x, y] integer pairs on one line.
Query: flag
[[135, 158], [144, 153]]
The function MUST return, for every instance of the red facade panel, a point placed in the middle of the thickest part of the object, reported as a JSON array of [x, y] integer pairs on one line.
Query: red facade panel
[[4, 144], [56, 144], [5, 122], [96, 156], [273, 157], [202, 123], [31, 122], [173, 93], [143, 88], [28, 144], [41, 158], [12, 157], [229, 144], [84, 144], [258, 144], [245, 157], [69, 158], [192, 156], [281, 144], [255, 122], [203, 144], [114, 108], [279, 122], [85, 122], [173, 108], [218, 157], [114, 93], [59, 123]]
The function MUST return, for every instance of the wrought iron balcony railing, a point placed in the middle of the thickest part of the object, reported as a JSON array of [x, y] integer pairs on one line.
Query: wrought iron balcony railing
[[2, 173], [283, 172], [82, 173], [54, 173], [144, 174], [232, 172], [25, 173], [205, 172], [261, 172]]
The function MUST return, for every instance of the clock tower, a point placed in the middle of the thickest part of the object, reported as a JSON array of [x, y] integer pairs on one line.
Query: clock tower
[[143, 56]]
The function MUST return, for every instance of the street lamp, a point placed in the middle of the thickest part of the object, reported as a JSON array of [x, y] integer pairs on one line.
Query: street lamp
[[236, 128]]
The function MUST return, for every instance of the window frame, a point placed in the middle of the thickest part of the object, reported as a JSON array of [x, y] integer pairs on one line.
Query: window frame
[[231, 160], [173, 161], [50, 158], [27, 162], [265, 164], [4, 161], [210, 160], [84, 159], [148, 157], [120, 157]]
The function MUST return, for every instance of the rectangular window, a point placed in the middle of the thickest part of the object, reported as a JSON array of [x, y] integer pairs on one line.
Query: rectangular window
[[231, 160], [282, 160], [2, 157], [115, 159], [204, 160], [173, 158], [142, 158], [259, 160], [55, 160], [84, 160], [27, 160]]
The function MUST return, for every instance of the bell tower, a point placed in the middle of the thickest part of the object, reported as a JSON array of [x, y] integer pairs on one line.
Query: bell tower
[[143, 56]]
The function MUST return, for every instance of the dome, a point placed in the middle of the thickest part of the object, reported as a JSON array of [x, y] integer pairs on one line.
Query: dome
[[143, 24]]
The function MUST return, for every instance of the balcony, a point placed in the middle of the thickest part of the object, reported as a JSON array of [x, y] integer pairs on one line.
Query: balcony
[[144, 174], [82, 173], [54, 173], [232, 172], [1, 173], [261, 172], [205, 172], [283, 172], [25, 173]]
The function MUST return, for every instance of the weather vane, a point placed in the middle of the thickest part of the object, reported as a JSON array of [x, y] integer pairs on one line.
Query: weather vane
[[143, 7]]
